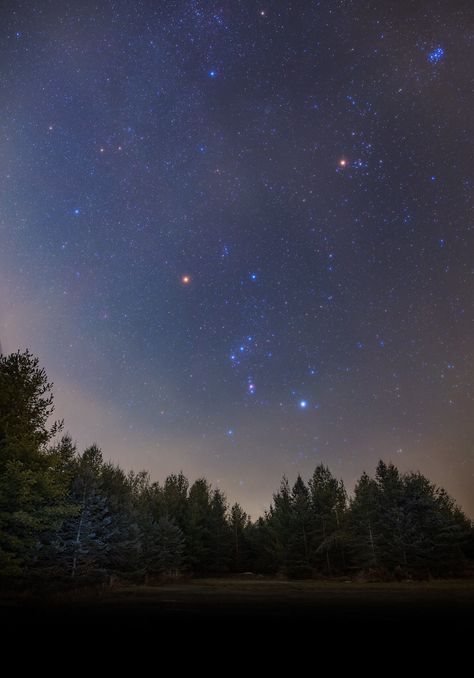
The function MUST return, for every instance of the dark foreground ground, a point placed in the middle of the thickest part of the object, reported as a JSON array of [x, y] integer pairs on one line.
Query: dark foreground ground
[[228, 600]]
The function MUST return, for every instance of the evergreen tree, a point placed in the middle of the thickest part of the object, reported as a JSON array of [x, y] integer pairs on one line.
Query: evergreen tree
[[164, 547], [124, 541], [328, 507], [404, 524], [261, 546], [220, 535], [390, 526], [197, 526], [174, 498], [435, 530], [298, 564], [239, 526], [361, 529], [33, 490], [279, 526], [73, 516], [26, 404], [83, 541]]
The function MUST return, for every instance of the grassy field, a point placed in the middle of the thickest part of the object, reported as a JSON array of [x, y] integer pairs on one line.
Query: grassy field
[[260, 599]]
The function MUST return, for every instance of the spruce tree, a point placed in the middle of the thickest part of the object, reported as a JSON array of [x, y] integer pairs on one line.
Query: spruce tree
[[33, 489], [298, 564], [328, 507], [279, 526], [162, 548], [239, 525]]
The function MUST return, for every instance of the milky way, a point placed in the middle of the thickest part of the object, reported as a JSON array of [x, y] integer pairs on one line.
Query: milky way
[[239, 235]]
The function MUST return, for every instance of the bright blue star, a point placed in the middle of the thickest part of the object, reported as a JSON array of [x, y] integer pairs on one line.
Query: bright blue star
[[433, 178], [303, 404], [253, 276], [212, 73], [436, 55], [230, 432], [441, 242], [77, 211]]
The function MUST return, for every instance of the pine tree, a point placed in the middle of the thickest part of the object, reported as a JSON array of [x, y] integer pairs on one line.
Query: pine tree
[[26, 405]]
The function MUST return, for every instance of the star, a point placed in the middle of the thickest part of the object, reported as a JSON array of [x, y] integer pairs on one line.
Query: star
[[436, 55], [246, 214]]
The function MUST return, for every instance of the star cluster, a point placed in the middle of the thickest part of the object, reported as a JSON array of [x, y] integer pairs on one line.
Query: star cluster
[[247, 229]]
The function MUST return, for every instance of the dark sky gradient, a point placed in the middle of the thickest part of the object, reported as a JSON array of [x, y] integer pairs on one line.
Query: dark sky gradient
[[309, 165]]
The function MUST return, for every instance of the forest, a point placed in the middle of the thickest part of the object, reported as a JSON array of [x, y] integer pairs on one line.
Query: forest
[[70, 518]]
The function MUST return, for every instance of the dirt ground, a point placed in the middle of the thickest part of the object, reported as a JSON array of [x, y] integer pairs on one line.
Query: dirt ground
[[450, 601]]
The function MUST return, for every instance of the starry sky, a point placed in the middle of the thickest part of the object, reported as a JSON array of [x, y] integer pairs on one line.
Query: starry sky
[[239, 234]]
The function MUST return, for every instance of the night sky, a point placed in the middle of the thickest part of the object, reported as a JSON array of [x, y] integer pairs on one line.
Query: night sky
[[239, 235]]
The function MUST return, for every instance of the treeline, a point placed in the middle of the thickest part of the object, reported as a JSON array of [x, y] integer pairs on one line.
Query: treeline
[[68, 518]]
